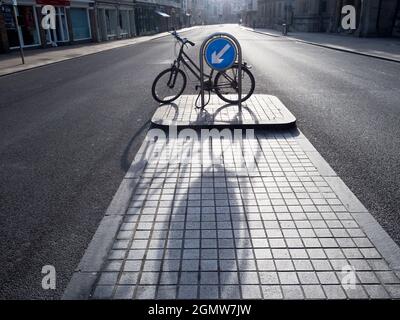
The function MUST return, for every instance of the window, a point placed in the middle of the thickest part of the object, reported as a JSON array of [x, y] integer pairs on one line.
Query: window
[[61, 22], [60, 34], [111, 22], [80, 23], [28, 26], [324, 6], [123, 22]]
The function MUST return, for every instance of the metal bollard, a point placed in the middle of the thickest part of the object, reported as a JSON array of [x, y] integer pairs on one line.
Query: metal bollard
[[284, 29], [239, 61]]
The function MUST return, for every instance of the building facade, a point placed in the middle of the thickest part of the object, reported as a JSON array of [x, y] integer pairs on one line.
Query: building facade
[[80, 21], [74, 24], [154, 16], [373, 17]]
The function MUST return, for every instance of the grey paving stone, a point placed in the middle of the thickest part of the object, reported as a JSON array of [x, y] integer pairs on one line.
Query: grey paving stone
[[149, 277], [266, 265], [376, 292], [190, 265], [251, 292], [356, 292], [117, 254], [387, 277], [108, 278], [394, 290], [229, 278], [171, 265], [226, 253], [209, 265], [313, 292], [308, 278], [132, 265], [367, 277], [209, 277], [334, 292], [209, 254], [191, 253], [189, 278], [145, 292], [379, 265], [187, 292], [129, 278], [152, 265], [249, 277], [271, 292], [169, 278], [284, 265], [321, 265], [166, 292], [103, 292], [292, 292], [288, 277], [227, 265], [209, 292], [124, 292], [327, 277], [303, 265], [230, 292], [246, 265], [268, 278]]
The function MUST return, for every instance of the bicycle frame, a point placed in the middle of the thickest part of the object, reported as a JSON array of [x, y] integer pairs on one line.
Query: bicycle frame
[[191, 65]]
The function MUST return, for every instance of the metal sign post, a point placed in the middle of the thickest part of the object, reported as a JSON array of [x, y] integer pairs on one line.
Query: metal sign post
[[21, 51], [221, 50]]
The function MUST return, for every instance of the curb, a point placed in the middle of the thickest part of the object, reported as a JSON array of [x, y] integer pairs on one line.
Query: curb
[[346, 50], [386, 246], [139, 40], [260, 32], [256, 102], [326, 46], [276, 127]]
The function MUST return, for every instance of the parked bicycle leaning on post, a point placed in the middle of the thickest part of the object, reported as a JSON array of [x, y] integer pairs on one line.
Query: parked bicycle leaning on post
[[171, 83]]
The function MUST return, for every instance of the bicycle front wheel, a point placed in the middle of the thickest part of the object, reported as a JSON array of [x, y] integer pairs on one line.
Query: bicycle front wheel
[[227, 86], [169, 85]]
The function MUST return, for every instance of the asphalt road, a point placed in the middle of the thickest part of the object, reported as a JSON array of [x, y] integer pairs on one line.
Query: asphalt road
[[69, 131]]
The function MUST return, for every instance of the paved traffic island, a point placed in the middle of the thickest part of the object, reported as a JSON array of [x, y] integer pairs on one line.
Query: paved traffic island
[[265, 218], [260, 110]]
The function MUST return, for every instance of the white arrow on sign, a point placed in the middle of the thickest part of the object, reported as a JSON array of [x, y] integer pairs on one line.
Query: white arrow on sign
[[216, 58]]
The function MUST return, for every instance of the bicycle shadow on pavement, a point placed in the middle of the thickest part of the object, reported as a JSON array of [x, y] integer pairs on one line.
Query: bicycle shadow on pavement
[[207, 250]]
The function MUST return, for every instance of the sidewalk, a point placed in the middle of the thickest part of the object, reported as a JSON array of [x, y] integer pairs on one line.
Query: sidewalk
[[208, 224], [382, 48], [11, 62]]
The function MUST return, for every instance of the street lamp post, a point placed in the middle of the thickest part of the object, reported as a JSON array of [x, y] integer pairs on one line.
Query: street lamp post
[[21, 50]]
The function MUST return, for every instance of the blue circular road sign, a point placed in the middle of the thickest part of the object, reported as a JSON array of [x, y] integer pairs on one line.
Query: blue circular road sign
[[220, 53]]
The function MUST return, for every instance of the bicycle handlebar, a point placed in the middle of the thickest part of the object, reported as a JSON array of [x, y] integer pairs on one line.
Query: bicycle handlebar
[[182, 40]]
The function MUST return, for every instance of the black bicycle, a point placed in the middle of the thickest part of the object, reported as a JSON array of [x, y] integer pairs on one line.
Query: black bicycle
[[171, 83]]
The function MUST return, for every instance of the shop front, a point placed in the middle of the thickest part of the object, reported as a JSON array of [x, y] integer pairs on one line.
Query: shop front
[[115, 20], [153, 18], [81, 23], [73, 20], [28, 25]]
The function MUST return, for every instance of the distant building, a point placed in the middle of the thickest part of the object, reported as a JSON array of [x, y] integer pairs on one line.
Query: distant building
[[158, 15], [373, 17]]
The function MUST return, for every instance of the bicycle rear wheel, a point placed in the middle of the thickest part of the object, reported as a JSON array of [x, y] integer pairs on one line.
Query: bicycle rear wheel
[[169, 85], [227, 87]]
